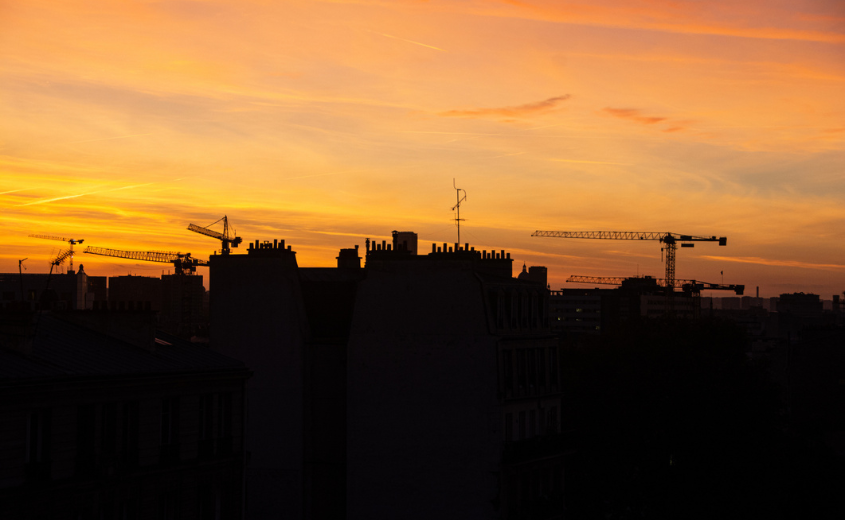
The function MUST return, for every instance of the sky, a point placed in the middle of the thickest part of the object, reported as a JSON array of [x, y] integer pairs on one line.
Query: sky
[[328, 122]]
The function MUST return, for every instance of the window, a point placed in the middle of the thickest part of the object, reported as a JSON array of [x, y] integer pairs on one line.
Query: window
[[38, 445], [541, 366], [206, 424], [129, 439], [108, 424], [552, 422], [508, 427], [507, 369], [86, 428], [532, 421], [522, 425], [553, 368], [170, 429], [532, 368], [520, 368], [224, 424], [37, 437]]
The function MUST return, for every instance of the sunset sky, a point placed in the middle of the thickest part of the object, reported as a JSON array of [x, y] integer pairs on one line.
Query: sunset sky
[[324, 123]]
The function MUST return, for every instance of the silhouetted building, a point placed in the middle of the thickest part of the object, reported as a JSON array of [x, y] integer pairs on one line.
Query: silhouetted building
[[577, 311], [131, 292], [182, 304], [67, 291], [590, 311], [418, 386], [105, 418]]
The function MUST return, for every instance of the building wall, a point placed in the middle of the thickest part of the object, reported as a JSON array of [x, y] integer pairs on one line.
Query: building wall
[[101, 452], [423, 421], [257, 317]]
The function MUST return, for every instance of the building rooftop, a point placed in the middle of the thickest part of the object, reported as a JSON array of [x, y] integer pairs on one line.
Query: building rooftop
[[64, 348]]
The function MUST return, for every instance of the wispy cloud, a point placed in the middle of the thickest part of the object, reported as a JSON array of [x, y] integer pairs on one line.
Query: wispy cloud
[[779, 263], [635, 115], [107, 138], [526, 110], [578, 161], [66, 197], [412, 41]]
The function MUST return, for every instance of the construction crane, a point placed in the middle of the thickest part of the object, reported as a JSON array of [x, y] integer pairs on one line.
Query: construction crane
[[670, 243], [224, 237], [183, 262], [693, 286], [71, 241]]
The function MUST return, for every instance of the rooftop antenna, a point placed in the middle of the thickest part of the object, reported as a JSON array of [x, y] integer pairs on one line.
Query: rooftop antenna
[[20, 273], [457, 207]]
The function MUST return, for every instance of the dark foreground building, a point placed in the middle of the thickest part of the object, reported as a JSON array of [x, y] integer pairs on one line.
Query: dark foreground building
[[102, 418], [418, 386]]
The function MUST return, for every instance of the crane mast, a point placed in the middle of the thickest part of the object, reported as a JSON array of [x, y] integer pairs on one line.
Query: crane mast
[[224, 237], [71, 241]]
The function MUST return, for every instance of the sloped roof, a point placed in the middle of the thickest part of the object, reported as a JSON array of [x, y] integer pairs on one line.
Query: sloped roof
[[62, 348]]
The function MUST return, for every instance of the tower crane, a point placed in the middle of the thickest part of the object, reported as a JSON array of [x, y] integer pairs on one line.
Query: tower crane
[[693, 286], [224, 237], [183, 262], [71, 241], [670, 243]]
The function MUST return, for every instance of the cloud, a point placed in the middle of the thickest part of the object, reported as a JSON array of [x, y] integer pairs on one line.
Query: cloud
[[526, 110], [634, 115], [779, 263]]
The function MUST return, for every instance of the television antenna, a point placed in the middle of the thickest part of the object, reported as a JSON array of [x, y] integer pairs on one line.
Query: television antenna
[[457, 207]]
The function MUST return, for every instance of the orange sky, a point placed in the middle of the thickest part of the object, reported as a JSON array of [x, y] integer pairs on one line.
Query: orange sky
[[324, 123]]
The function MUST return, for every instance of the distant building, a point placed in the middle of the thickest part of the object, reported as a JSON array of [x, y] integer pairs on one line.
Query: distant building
[[591, 311], [418, 386], [105, 418], [131, 292], [67, 291]]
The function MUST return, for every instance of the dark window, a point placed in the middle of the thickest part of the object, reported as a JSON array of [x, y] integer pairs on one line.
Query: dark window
[[532, 368], [86, 429], [170, 429], [553, 368], [206, 425], [108, 437], [520, 368], [8, 295], [38, 445], [129, 439], [169, 505], [224, 423], [541, 366], [507, 361], [522, 425], [532, 421], [508, 427], [552, 424]]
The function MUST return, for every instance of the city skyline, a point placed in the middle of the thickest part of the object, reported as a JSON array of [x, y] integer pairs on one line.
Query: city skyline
[[325, 123]]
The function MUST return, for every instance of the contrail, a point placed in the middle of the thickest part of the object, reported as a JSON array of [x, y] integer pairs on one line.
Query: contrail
[[507, 155], [415, 43], [45, 201], [587, 162], [12, 191], [319, 175], [108, 138]]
